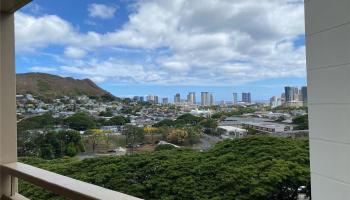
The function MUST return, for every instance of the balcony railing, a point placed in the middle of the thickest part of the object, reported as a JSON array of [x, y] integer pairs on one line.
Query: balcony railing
[[61, 185]]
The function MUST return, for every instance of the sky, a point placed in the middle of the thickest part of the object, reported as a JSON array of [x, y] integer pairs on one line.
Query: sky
[[141, 47]]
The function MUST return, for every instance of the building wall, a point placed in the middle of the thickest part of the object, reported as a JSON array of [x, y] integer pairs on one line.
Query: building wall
[[8, 126], [328, 67]]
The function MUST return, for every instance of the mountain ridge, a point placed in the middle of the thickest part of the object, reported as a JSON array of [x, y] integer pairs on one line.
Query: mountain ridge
[[52, 86]]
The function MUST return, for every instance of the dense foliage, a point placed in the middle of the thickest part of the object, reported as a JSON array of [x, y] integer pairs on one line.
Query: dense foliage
[[80, 122], [236, 112], [183, 120], [253, 168], [302, 122], [117, 120], [50, 145], [37, 122]]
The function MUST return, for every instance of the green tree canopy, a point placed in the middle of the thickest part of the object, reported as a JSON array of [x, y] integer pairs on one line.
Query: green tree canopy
[[117, 120], [253, 168], [80, 121], [302, 122], [37, 122]]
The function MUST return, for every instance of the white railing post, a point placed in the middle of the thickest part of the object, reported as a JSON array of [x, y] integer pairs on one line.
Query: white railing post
[[8, 130]]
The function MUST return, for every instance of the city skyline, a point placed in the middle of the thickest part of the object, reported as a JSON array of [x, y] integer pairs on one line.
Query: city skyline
[[229, 96], [289, 94]]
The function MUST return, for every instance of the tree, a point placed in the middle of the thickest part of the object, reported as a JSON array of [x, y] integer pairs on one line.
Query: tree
[[108, 97], [117, 120], [252, 168], [47, 152], [209, 125], [302, 122], [189, 119], [133, 134], [37, 122], [51, 144], [96, 136], [80, 122], [193, 134], [181, 121], [252, 131], [107, 113], [165, 122], [177, 136], [151, 131], [71, 150]]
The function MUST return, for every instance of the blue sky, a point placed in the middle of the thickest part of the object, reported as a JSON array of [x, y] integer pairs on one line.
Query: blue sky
[[140, 47]]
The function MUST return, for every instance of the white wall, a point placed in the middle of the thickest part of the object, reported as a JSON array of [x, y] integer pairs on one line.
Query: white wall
[[328, 67]]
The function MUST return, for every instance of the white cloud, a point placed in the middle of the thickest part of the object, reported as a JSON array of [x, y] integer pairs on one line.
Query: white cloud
[[43, 69], [217, 42], [35, 32], [101, 11], [73, 52]]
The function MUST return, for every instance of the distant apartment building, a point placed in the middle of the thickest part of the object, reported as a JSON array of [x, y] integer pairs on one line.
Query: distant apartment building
[[152, 99], [205, 98], [136, 98], [212, 101], [295, 97], [283, 98], [177, 98], [304, 95], [165, 101], [291, 93], [191, 98], [235, 98], [246, 97], [273, 102]]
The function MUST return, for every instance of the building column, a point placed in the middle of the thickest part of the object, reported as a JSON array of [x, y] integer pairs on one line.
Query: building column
[[8, 125], [328, 67]]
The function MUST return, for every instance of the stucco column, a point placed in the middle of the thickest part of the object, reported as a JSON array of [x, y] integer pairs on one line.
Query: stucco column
[[8, 127], [328, 67]]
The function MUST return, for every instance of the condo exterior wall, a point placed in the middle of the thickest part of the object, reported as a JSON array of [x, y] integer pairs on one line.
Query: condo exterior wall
[[328, 68], [8, 126]]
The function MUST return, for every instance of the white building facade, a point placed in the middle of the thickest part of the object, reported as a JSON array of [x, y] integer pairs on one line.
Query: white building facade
[[328, 69]]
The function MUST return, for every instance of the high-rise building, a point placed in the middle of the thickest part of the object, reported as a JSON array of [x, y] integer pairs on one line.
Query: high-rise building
[[149, 98], [291, 94], [205, 98], [273, 101], [212, 102], [136, 98], [191, 98], [152, 99], [177, 98], [293, 97], [304, 94], [165, 101], [235, 98], [296, 94], [246, 97]]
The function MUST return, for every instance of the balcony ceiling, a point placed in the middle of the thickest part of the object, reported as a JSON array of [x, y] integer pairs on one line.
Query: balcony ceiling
[[10, 6]]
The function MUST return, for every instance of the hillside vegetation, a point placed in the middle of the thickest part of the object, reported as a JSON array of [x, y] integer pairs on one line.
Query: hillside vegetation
[[253, 168], [51, 86]]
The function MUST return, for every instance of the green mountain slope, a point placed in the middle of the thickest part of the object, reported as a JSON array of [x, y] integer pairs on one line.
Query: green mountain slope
[[51, 86]]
